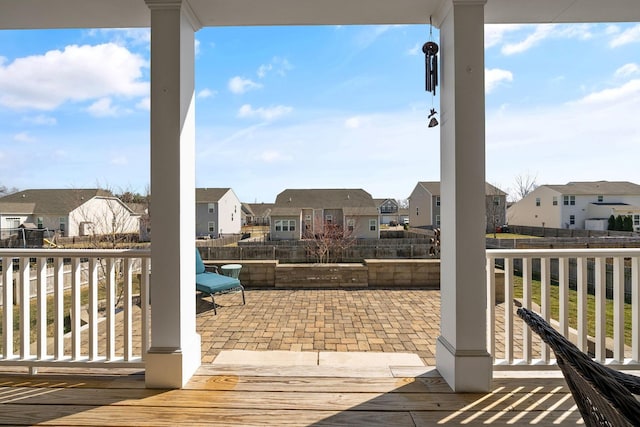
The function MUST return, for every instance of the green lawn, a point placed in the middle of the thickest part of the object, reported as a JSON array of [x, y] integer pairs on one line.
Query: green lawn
[[573, 308]]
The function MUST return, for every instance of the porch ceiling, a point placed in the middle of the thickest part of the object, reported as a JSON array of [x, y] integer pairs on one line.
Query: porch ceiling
[[16, 14]]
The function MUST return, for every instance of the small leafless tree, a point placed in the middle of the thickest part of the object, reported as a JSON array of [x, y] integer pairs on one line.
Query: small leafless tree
[[524, 184], [328, 243], [403, 203]]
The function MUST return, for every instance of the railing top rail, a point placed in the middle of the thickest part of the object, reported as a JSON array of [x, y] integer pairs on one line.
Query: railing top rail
[[75, 253], [563, 253]]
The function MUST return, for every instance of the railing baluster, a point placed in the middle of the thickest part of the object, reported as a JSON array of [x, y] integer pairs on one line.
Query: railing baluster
[[128, 330], [93, 308], [75, 308], [635, 309], [41, 281], [563, 291], [508, 311], [545, 296], [58, 283], [144, 306], [526, 302], [111, 302], [600, 318], [581, 285], [491, 311], [7, 302], [618, 309], [25, 312]]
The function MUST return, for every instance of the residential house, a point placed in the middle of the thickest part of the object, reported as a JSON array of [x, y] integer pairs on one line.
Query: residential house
[[298, 212], [68, 212], [218, 211], [260, 213], [390, 211], [424, 206], [578, 205]]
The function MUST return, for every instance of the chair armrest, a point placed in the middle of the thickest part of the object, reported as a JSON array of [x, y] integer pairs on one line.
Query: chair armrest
[[211, 269]]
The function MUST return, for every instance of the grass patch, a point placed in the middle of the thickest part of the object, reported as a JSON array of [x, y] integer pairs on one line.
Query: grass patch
[[572, 308]]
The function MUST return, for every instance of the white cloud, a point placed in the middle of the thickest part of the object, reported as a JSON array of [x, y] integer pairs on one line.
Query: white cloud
[[144, 104], [78, 73], [206, 93], [120, 161], [630, 35], [124, 36], [627, 93], [627, 70], [241, 85], [23, 137], [510, 36], [494, 34], [103, 108], [494, 77], [355, 122], [41, 119], [271, 113], [272, 156], [196, 46], [278, 65], [370, 34]]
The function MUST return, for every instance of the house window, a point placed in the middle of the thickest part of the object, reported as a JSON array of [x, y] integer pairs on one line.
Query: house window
[[437, 200], [328, 218], [636, 220], [373, 224], [572, 219], [40, 222], [211, 226], [13, 222], [211, 207], [569, 200], [537, 201], [63, 224], [555, 200], [231, 217], [285, 225], [496, 201], [600, 198], [351, 224], [437, 220], [417, 212]]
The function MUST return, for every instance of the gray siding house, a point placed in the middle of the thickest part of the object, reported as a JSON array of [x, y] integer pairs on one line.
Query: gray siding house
[[218, 211]]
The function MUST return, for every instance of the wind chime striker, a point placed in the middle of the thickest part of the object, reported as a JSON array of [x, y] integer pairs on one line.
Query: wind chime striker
[[430, 50]]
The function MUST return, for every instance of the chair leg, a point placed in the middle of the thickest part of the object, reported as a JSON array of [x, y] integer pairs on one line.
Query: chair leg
[[242, 290], [214, 305]]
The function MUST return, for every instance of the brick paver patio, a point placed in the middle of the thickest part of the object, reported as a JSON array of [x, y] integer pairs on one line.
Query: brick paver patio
[[376, 320]]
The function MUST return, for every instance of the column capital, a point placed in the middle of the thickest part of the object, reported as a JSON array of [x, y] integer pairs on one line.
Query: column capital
[[446, 6], [181, 5]]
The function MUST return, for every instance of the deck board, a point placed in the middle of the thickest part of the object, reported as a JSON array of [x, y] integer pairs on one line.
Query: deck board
[[279, 400]]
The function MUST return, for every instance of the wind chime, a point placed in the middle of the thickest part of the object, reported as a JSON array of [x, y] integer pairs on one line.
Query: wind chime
[[430, 50]]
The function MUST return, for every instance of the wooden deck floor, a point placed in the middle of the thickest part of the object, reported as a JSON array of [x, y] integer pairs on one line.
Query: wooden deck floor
[[281, 396]]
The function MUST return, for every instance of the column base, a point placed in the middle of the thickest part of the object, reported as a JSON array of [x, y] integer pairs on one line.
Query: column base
[[172, 367], [464, 370]]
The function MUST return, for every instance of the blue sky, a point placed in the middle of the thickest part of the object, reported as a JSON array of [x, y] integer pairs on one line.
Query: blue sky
[[318, 107]]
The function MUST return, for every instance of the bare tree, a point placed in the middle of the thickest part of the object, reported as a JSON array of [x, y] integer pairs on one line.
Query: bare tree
[[403, 203], [328, 243], [5, 191], [524, 184]]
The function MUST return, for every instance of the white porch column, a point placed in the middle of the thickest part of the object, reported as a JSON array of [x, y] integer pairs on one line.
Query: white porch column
[[461, 354], [175, 346]]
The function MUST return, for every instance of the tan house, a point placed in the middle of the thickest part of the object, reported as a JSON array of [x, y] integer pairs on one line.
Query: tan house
[[68, 212], [299, 212], [424, 206], [578, 205]]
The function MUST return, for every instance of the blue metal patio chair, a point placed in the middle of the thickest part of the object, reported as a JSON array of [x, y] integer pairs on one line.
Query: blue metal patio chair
[[212, 283]]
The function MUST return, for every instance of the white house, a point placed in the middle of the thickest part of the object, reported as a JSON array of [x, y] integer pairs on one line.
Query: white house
[[577, 205], [69, 212], [218, 211]]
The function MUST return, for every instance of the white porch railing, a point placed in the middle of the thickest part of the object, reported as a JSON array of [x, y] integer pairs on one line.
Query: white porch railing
[[117, 328], [510, 341]]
